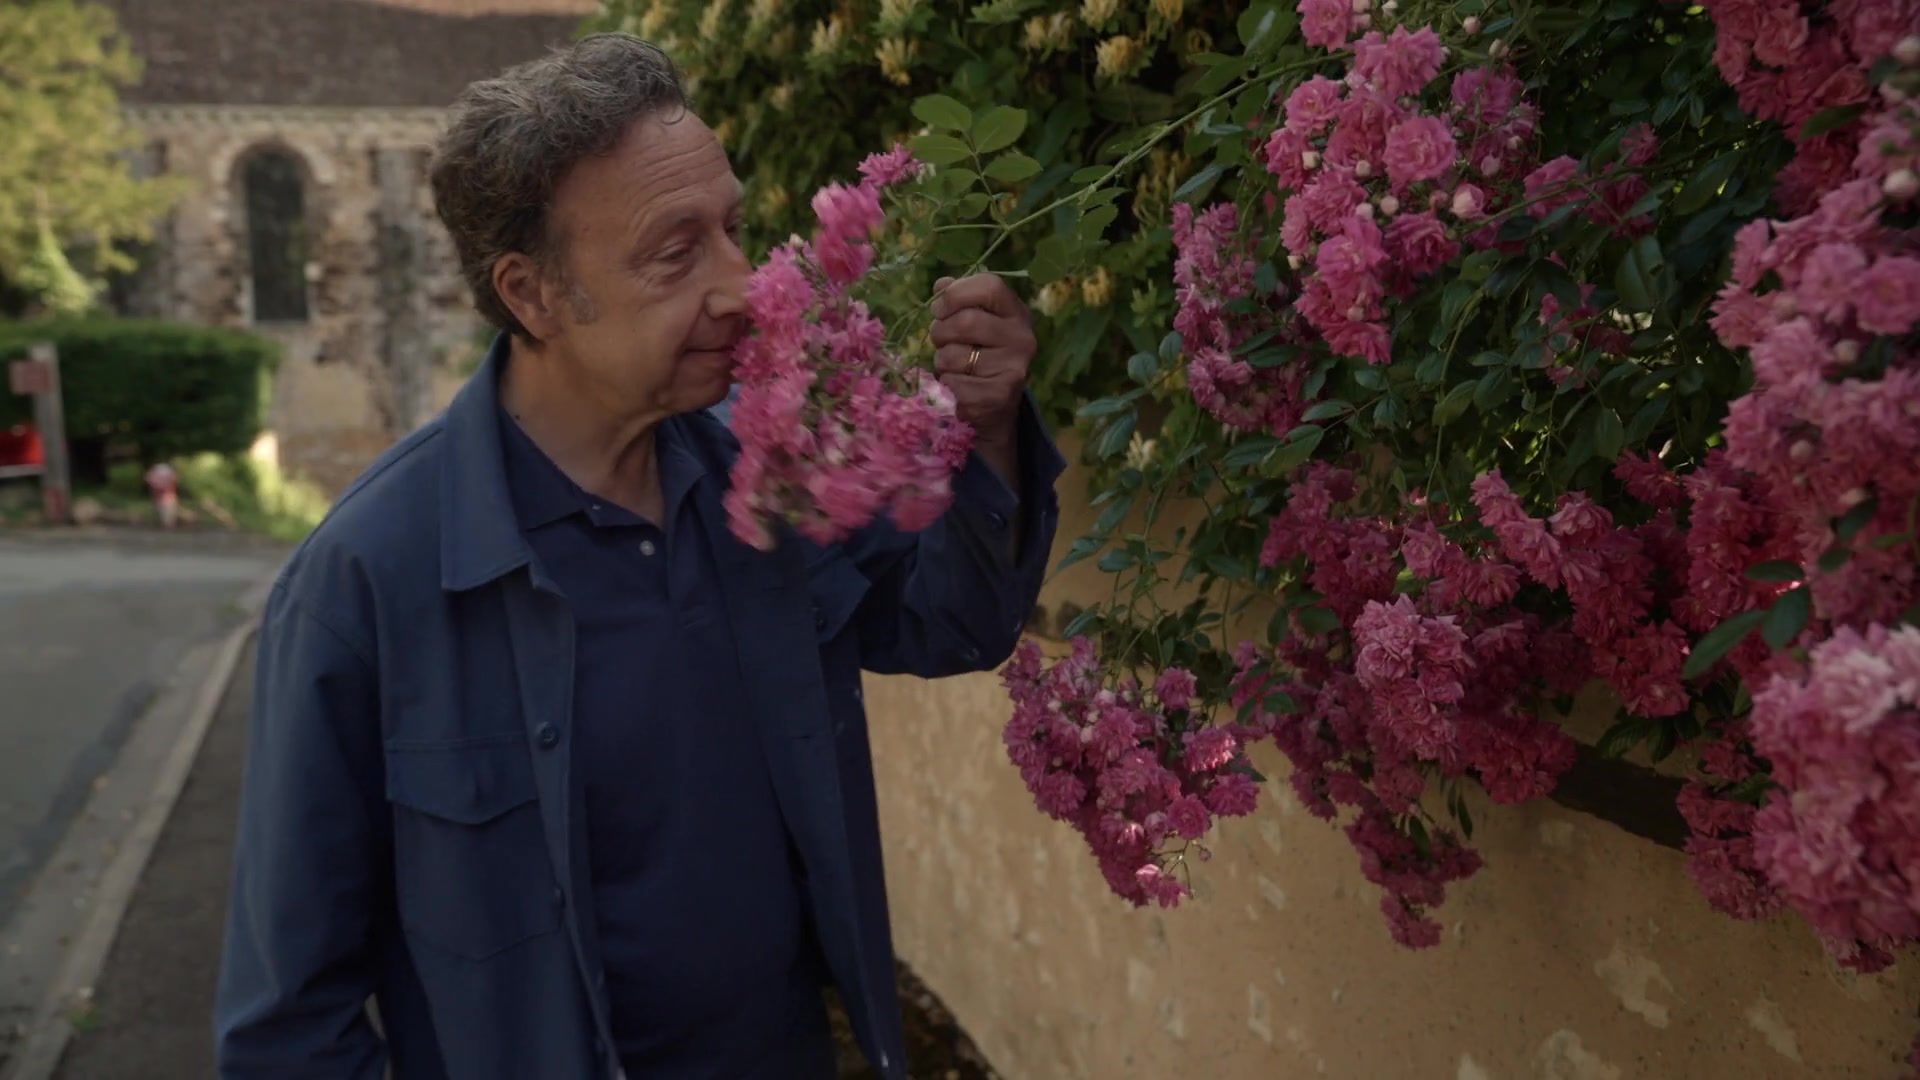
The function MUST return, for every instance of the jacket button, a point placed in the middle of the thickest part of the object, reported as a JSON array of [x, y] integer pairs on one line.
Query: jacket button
[[548, 735], [819, 618]]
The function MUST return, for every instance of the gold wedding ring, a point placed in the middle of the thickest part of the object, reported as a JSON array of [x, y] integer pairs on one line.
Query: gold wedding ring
[[973, 361]]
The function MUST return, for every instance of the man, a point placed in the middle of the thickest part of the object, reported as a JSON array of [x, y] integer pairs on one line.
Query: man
[[547, 765]]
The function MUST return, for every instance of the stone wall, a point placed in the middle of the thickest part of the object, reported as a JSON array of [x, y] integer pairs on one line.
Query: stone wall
[[1580, 952], [390, 327]]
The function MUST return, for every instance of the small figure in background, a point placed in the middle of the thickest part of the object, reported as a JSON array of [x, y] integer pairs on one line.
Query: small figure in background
[[163, 483]]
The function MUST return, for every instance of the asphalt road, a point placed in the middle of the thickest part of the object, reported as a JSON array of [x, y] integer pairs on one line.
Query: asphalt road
[[90, 629]]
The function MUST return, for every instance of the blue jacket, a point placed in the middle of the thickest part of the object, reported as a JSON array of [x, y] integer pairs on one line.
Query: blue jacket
[[406, 832]]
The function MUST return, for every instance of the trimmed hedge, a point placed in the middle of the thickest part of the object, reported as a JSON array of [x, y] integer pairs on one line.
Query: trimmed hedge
[[155, 389]]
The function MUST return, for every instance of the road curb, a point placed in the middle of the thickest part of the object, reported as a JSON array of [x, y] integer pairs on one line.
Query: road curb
[[39, 1054]]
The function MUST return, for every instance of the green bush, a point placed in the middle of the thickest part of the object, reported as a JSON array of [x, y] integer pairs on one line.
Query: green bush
[[800, 90], [154, 389]]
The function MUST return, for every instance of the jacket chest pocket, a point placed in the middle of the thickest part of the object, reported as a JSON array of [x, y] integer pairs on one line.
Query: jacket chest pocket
[[471, 873]]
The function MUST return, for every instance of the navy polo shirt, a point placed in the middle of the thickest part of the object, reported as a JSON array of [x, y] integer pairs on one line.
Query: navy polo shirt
[[696, 885]]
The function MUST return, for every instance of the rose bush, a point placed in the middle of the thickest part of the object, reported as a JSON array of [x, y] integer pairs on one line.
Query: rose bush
[[1505, 348]]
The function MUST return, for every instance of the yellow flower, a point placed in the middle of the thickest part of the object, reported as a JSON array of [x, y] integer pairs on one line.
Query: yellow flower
[[781, 43], [896, 56], [713, 19], [725, 130], [1054, 297], [829, 35], [1116, 56], [782, 97], [1097, 290], [1098, 13], [894, 14], [1036, 33], [1139, 452], [658, 16], [765, 13], [1198, 41], [1168, 10], [774, 198]]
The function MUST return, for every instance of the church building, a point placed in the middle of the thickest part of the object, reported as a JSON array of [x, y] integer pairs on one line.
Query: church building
[[305, 128]]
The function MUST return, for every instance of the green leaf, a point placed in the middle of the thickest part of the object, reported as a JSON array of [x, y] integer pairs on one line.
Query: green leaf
[[1012, 168], [999, 128], [1776, 570], [1644, 421], [1788, 617], [973, 204], [1317, 620], [1449, 408], [1052, 258], [1832, 119], [1856, 519], [1298, 449], [1608, 434], [1082, 549], [1620, 739], [1170, 347], [940, 149], [1105, 407], [1197, 181], [1834, 558], [1479, 264], [1720, 641], [1114, 438], [1089, 174], [1142, 367], [1249, 452], [1326, 410], [1630, 281], [941, 111], [1094, 225], [1705, 184]]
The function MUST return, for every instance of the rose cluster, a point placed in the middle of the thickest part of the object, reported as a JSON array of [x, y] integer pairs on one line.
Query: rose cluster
[[834, 428], [1140, 772], [1791, 61], [1218, 315], [1381, 189]]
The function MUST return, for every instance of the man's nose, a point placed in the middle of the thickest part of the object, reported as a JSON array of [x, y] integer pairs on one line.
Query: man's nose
[[728, 297]]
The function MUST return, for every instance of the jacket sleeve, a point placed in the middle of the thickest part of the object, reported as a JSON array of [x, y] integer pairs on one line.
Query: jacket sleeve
[[302, 924], [954, 597]]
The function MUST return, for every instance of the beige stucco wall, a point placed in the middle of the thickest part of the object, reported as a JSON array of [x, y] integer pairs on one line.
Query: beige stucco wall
[[385, 341], [1579, 953]]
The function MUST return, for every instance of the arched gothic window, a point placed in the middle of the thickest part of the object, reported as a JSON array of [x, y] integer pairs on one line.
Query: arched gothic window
[[276, 235]]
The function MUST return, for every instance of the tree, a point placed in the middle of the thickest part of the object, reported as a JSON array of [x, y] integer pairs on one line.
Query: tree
[[67, 192]]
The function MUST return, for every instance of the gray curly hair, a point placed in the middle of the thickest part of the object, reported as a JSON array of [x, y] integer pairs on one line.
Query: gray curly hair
[[511, 140]]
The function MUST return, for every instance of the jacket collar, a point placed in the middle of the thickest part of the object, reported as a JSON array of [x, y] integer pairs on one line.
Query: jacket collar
[[480, 538]]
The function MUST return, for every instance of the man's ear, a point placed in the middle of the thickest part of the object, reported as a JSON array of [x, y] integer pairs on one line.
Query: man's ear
[[527, 292]]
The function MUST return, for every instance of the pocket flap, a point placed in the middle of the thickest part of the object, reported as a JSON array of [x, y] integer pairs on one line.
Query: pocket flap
[[470, 782]]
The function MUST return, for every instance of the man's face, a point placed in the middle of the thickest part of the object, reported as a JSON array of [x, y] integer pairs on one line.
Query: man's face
[[654, 292]]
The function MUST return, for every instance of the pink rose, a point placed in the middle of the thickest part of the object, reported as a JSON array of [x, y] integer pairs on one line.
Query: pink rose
[[1419, 243], [1887, 297], [1419, 149]]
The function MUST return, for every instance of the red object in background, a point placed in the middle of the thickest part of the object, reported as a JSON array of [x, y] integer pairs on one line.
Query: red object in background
[[21, 445]]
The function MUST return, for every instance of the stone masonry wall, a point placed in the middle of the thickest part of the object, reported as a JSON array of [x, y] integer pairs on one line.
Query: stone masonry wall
[[390, 327]]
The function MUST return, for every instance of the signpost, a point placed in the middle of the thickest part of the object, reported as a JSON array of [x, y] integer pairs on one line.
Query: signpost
[[38, 377]]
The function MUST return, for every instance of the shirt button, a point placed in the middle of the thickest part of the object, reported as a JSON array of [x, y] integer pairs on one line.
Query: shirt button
[[646, 547], [548, 735]]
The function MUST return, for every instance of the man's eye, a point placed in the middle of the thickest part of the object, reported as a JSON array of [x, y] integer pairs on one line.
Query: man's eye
[[678, 254]]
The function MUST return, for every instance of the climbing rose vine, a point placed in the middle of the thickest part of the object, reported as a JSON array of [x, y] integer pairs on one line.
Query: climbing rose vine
[[834, 427], [1689, 341], [1452, 390]]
